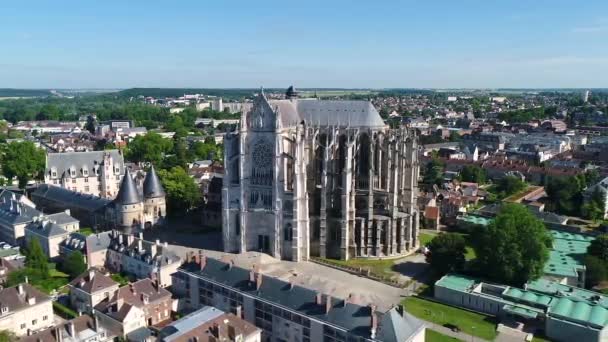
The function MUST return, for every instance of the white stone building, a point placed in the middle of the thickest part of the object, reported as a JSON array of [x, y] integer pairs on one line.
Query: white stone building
[[97, 173], [307, 177]]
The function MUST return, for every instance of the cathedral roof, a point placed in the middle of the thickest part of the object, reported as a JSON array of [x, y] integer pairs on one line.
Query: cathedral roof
[[331, 113], [152, 186], [127, 194]]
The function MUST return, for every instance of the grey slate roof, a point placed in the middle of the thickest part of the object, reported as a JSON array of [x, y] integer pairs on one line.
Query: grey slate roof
[[14, 301], [398, 326], [61, 218], [45, 228], [98, 282], [71, 198], [152, 186], [62, 162], [12, 211], [128, 193], [356, 114], [354, 318], [151, 253]]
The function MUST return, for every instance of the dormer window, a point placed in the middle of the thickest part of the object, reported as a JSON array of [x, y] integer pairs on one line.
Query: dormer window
[[54, 172], [117, 170], [85, 172], [4, 309], [72, 172]]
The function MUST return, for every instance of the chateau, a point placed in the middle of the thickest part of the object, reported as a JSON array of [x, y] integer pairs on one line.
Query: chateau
[[309, 177]]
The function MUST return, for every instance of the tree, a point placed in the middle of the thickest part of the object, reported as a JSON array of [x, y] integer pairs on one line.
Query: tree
[[596, 270], [513, 248], [593, 209], [472, 173], [7, 336], [183, 193], [599, 247], [35, 257], [151, 148], [566, 194], [433, 174], [447, 253], [510, 185], [22, 160], [74, 264], [90, 125]]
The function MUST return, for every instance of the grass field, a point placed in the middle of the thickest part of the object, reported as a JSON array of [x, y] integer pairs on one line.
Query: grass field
[[86, 231], [469, 322], [433, 336], [425, 238]]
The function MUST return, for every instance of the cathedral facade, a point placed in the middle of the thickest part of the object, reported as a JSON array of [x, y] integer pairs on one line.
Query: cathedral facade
[[308, 177]]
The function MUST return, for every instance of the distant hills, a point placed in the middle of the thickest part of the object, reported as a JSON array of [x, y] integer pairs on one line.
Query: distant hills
[[9, 92]]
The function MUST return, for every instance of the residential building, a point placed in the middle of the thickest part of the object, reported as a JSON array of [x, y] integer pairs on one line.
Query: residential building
[[24, 309], [96, 173], [89, 289], [602, 189], [207, 324], [154, 301], [94, 247], [308, 177], [286, 311], [15, 214], [143, 259], [83, 328], [49, 234]]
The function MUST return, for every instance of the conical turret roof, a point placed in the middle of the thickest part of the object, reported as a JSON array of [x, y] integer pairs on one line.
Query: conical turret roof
[[127, 194], [152, 186]]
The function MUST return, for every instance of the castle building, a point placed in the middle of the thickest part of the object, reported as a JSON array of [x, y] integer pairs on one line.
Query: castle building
[[134, 207], [97, 173], [309, 177]]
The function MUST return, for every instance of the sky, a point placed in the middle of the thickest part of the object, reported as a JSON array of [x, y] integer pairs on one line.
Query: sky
[[330, 43]]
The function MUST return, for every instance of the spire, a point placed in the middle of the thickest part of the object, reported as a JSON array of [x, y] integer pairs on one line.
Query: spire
[[291, 93], [152, 186], [127, 194]]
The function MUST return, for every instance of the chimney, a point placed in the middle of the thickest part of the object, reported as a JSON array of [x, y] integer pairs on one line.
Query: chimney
[[132, 288], [215, 330], [292, 282], [374, 321], [71, 329], [20, 289], [202, 261], [327, 304], [95, 322], [231, 333], [400, 310], [252, 276], [91, 274], [67, 211], [130, 239], [319, 299], [140, 235], [120, 241], [144, 298], [258, 281], [239, 311], [31, 300], [230, 264], [57, 333]]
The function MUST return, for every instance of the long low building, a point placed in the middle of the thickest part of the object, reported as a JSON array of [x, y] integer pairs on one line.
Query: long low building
[[286, 311], [568, 313]]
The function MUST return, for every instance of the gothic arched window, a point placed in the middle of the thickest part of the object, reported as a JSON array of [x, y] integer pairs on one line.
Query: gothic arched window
[[262, 163]]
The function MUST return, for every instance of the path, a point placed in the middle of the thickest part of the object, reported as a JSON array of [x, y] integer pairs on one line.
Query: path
[[446, 331]]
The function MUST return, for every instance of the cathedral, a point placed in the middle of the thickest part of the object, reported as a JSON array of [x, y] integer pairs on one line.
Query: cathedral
[[319, 178]]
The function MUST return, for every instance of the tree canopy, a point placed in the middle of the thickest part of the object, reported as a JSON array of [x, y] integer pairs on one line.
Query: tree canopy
[[22, 160], [183, 193], [509, 185], [151, 148], [514, 248], [74, 264], [433, 172], [36, 259], [446, 253], [472, 173]]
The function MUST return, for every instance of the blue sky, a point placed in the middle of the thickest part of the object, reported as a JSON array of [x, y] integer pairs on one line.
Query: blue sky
[[331, 43]]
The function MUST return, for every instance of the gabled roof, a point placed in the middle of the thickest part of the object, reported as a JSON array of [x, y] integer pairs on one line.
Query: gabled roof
[[62, 162], [128, 193], [89, 284], [69, 198], [152, 186], [133, 292], [16, 298], [398, 326], [45, 228]]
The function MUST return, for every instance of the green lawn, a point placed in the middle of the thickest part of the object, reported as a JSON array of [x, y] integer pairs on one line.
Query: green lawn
[[433, 336], [86, 231], [381, 268], [469, 322], [425, 238], [540, 338], [121, 279]]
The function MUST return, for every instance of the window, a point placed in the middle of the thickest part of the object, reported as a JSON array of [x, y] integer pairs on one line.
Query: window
[[86, 179], [288, 232], [54, 174], [44, 318], [34, 321], [22, 325], [117, 178], [73, 180], [86, 188]]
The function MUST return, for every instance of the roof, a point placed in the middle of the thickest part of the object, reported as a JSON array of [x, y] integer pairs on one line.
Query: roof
[[354, 318], [473, 219], [397, 325], [128, 193], [456, 282], [80, 161], [69, 198], [151, 252], [62, 218], [152, 186], [567, 253], [331, 113], [13, 210], [431, 213], [89, 284], [133, 292], [200, 324], [45, 228], [84, 326], [16, 298]]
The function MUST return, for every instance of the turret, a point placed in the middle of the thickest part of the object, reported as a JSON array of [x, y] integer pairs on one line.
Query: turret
[[128, 204], [155, 206]]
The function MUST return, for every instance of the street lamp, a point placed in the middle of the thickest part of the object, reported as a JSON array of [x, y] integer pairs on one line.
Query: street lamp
[[473, 334]]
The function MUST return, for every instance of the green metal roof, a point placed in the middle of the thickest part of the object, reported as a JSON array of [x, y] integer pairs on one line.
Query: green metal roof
[[568, 251], [522, 311], [473, 219], [456, 282], [527, 296]]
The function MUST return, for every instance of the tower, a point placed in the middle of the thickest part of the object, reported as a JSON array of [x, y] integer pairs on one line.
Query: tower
[[128, 204], [155, 205]]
